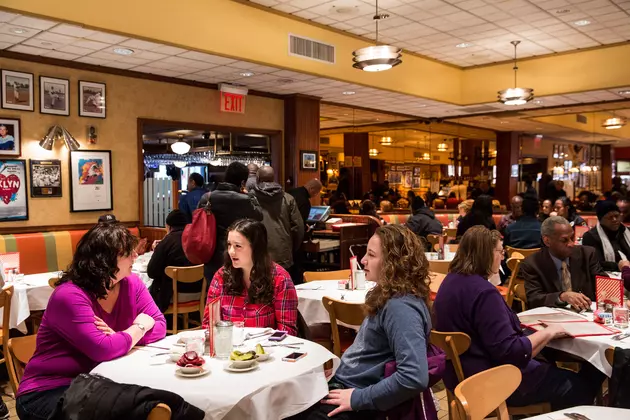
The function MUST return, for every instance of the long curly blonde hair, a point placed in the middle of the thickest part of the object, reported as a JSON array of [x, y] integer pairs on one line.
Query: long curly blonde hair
[[404, 271]]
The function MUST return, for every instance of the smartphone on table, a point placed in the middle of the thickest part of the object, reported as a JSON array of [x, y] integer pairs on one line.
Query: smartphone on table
[[294, 357], [278, 336]]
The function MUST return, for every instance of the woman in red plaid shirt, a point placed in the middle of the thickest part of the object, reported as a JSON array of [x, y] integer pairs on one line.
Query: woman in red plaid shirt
[[252, 288]]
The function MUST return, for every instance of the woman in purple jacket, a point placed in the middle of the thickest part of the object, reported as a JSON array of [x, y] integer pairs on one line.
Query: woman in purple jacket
[[98, 312], [466, 302]]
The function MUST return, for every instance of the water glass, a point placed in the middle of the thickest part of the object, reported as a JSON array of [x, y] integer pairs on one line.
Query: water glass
[[195, 344], [620, 317], [223, 339], [238, 333]]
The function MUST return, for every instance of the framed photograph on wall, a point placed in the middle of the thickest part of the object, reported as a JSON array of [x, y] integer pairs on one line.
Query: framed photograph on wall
[[10, 138], [13, 190], [308, 160], [92, 99], [91, 180], [17, 90], [45, 178], [54, 96]]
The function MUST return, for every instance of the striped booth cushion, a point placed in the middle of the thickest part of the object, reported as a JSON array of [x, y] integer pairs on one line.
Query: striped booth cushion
[[43, 252]]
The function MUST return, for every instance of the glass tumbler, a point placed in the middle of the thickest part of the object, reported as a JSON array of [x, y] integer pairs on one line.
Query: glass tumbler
[[238, 333]]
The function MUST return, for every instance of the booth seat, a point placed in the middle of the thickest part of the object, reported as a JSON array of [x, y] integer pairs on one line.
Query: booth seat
[[43, 252]]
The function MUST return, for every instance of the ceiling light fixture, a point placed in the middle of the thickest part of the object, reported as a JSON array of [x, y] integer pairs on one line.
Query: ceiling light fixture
[[247, 74], [180, 164], [58, 132], [123, 51], [377, 57], [614, 123], [349, 92], [442, 147], [516, 95], [373, 152], [17, 31], [583, 22], [180, 146], [426, 156], [463, 45], [624, 92], [385, 141], [538, 102]]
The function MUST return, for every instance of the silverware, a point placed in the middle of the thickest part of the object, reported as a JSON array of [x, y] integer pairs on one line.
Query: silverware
[[250, 336], [576, 416], [620, 336]]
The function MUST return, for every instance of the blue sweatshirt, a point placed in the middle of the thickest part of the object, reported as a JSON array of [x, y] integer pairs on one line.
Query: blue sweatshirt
[[398, 332]]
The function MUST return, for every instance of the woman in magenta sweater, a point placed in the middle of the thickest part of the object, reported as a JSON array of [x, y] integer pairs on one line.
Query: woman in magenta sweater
[[98, 312]]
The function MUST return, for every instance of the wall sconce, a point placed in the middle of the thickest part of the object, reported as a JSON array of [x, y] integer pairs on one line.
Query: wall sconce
[[58, 132]]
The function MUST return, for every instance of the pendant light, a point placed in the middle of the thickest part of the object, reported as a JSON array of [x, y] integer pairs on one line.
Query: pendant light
[[385, 141], [180, 146], [614, 123], [516, 95], [442, 147], [377, 57]]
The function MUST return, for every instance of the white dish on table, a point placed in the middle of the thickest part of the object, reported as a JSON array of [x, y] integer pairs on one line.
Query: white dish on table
[[196, 373], [232, 367]]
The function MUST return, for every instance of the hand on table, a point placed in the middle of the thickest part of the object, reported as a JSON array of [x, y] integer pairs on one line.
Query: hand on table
[[102, 326], [341, 398], [556, 331], [623, 263], [576, 300]]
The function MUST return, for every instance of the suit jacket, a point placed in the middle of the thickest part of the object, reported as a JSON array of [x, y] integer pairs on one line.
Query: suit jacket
[[542, 284], [591, 238]]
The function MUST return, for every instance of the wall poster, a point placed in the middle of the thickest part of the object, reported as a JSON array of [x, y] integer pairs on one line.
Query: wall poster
[[13, 191], [91, 180]]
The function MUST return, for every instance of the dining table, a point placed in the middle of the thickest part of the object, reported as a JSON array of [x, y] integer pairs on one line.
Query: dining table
[[276, 389], [589, 412]]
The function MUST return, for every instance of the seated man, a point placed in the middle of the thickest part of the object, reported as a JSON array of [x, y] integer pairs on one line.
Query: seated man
[[169, 252], [516, 205], [525, 232], [423, 221], [560, 273], [609, 238]]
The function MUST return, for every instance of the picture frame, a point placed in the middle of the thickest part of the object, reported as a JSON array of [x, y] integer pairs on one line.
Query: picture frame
[[13, 190], [92, 99], [17, 90], [10, 137], [54, 96], [45, 178], [91, 180], [309, 160]]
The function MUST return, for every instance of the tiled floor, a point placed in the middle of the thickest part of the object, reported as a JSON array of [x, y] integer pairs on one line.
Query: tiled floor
[[6, 390], [440, 394]]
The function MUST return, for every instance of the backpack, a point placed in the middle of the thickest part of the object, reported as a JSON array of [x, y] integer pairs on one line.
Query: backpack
[[200, 237]]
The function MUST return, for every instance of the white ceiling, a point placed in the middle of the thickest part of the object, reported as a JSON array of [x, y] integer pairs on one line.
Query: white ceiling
[[433, 28]]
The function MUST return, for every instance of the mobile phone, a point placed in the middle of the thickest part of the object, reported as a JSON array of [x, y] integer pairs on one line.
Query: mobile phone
[[278, 336], [293, 357]]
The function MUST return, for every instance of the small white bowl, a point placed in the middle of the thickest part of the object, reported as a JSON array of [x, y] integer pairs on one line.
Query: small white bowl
[[191, 370], [242, 364], [266, 356]]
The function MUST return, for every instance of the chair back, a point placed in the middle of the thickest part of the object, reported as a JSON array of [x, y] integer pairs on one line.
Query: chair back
[[435, 239], [5, 302], [326, 275], [20, 351], [52, 281], [345, 312], [439, 266], [160, 412], [610, 355], [451, 232], [513, 264], [486, 392], [453, 344], [524, 252], [186, 275]]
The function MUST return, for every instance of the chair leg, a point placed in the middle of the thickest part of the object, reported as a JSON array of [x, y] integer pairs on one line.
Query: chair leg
[[185, 321], [175, 322]]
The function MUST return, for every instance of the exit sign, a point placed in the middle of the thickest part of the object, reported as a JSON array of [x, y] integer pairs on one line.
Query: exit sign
[[233, 98]]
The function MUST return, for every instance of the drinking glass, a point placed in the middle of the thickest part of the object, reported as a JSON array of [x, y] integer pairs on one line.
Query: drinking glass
[[620, 317], [238, 333], [195, 344], [223, 339]]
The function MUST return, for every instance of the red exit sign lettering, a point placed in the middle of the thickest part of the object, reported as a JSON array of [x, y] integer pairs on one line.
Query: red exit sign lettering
[[232, 102]]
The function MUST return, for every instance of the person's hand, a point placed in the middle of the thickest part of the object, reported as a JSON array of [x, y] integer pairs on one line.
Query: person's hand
[[102, 326], [576, 300], [341, 398], [154, 244], [623, 263], [145, 320], [556, 331]]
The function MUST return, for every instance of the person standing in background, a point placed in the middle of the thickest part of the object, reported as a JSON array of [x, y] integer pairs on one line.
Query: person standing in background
[[304, 194], [188, 202], [252, 168]]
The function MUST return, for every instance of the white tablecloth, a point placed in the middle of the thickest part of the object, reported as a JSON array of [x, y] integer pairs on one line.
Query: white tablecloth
[[590, 349], [310, 299], [592, 412], [275, 390]]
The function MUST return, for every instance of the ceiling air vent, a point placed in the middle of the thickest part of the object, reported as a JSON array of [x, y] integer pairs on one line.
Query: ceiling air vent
[[311, 49], [581, 118]]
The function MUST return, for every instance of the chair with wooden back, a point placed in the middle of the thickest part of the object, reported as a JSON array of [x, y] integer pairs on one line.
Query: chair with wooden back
[[185, 275], [439, 266], [160, 412], [435, 239], [513, 264], [610, 355], [5, 303], [485, 393], [20, 351], [346, 312], [52, 282], [326, 275], [451, 232], [524, 252]]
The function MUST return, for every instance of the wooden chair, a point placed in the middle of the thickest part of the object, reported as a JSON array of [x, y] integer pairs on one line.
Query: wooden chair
[[160, 412], [435, 239], [185, 275], [348, 313], [524, 252], [451, 232], [439, 266], [20, 351], [513, 264], [486, 392], [610, 355], [326, 275], [5, 302], [52, 281]]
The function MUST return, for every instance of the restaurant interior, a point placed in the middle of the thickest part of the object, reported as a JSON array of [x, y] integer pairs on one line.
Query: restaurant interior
[[353, 165]]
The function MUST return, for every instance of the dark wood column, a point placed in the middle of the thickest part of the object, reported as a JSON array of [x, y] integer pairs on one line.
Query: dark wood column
[[606, 169], [507, 155], [357, 145], [301, 132]]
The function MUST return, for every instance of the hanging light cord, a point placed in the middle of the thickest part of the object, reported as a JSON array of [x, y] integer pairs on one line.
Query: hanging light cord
[[515, 68], [377, 18]]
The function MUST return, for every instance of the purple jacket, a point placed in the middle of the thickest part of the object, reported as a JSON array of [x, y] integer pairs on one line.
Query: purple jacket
[[68, 342], [470, 304]]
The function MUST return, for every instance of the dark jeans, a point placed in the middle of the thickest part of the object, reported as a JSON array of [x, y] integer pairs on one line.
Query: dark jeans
[[38, 405], [563, 388]]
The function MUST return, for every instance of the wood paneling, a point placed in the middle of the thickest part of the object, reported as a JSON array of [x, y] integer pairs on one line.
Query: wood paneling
[[301, 132], [56, 228], [606, 170], [358, 145], [507, 155]]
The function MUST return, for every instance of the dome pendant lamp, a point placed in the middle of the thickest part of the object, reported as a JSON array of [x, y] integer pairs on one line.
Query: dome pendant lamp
[[377, 57], [516, 95]]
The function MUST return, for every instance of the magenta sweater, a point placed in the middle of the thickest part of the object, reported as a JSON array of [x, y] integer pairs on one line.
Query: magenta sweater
[[68, 342]]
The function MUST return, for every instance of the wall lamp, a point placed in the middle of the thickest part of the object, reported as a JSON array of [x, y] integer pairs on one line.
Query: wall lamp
[[58, 132]]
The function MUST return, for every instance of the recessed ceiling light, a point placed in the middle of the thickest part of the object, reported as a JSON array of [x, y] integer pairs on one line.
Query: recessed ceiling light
[[563, 11], [582, 22], [247, 74], [349, 92], [284, 81], [538, 102], [17, 30], [567, 109], [463, 45], [123, 51], [624, 92]]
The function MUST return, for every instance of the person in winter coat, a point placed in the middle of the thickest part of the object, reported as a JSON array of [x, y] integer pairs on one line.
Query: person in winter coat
[[229, 204], [423, 221], [281, 217]]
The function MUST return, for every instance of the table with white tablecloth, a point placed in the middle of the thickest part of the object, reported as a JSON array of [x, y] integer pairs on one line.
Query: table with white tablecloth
[[310, 298], [275, 390], [591, 412]]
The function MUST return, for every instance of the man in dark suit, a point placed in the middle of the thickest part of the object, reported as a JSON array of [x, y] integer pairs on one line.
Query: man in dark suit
[[560, 273], [304, 194]]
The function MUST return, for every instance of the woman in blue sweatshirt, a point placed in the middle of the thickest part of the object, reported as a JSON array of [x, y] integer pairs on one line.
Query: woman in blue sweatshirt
[[396, 328]]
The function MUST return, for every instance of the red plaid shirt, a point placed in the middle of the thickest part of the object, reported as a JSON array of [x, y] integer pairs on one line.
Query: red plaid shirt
[[280, 314]]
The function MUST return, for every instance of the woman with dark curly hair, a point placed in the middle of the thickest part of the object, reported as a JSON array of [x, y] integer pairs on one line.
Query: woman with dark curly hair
[[396, 328], [564, 208], [252, 288], [98, 312]]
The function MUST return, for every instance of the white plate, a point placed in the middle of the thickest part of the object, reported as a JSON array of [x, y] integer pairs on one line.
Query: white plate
[[229, 368], [179, 372]]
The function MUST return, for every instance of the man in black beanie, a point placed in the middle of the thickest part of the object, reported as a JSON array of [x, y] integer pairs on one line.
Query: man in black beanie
[[610, 238], [169, 252]]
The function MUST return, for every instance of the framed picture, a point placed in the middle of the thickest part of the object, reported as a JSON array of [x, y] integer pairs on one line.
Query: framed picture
[[416, 182], [45, 178], [13, 190], [10, 138], [17, 90], [309, 160], [91, 99], [54, 96], [91, 180]]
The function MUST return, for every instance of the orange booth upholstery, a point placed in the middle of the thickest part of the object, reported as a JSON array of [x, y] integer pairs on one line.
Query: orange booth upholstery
[[43, 252]]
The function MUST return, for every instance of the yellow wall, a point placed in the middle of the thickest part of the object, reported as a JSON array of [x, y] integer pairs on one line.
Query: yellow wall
[[127, 100]]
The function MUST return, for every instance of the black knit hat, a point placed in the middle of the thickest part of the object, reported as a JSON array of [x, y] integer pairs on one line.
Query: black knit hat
[[604, 207], [176, 218], [107, 218]]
